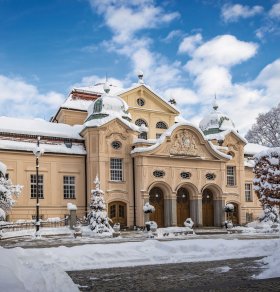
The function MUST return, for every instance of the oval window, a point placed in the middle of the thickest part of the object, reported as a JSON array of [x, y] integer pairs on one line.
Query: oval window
[[185, 175], [159, 173], [116, 145], [140, 101], [210, 176]]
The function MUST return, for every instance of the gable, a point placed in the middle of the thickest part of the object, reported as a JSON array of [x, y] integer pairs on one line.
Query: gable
[[187, 142], [153, 102]]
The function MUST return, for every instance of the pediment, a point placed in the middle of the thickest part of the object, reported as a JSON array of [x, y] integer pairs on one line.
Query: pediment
[[154, 101], [186, 142]]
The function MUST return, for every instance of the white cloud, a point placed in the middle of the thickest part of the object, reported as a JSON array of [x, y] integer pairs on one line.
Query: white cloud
[[171, 35], [183, 96], [126, 18], [213, 80], [21, 99], [224, 50], [269, 79], [232, 13], [275, 10], [189, 44]]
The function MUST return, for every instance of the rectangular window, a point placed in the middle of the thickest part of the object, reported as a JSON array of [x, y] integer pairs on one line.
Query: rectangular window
[[231, 181], [248, 193], [33, 186], [116, 169], [69, 187], [249, 217]]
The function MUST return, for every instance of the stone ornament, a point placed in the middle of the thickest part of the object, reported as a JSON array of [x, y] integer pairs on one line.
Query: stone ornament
[[184, 144]]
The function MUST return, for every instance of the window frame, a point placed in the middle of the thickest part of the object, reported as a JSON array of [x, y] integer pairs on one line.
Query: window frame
[[231, 176], [33, 186], [248, 196], [116, 169], [161, 125], [69, 187]]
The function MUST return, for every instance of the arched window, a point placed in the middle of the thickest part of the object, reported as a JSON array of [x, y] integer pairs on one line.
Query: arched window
[[161, 125], [141, 122]]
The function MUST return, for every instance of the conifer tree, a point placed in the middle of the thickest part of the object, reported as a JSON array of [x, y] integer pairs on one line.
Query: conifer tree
[[97, 217], [267, 183]]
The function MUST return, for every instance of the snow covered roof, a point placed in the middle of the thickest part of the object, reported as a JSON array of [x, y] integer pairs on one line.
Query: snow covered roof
[[39, 127], [252, 149], [98, 89], [107, 105], [249, 162], [52, 148], [216, 121], [169, 132], [76, 103], [102, 121], [221, 135]]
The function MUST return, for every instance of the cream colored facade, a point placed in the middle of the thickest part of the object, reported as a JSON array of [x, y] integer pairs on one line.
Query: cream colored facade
[[182, 173]]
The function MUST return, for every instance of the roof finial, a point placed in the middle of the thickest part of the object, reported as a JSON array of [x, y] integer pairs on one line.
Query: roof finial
[[215, 104], [106, 86], [140, 76]]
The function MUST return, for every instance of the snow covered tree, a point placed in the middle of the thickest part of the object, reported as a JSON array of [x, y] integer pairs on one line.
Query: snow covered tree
[[97, 217], [8, 192], [266, 131], [267, 182]]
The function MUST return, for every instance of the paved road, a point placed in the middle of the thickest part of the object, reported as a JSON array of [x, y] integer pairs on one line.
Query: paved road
[[226, 275]]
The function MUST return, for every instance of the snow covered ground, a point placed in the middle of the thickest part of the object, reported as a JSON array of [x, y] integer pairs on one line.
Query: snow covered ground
[[43, 269]]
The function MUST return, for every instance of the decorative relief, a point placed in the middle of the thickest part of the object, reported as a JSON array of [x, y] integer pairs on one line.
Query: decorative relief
[[184, 144]]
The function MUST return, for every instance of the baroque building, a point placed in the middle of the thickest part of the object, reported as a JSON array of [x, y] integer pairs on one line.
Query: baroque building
[[141, 149]]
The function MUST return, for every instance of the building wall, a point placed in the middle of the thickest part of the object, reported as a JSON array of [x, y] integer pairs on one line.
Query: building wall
[[20, 165]]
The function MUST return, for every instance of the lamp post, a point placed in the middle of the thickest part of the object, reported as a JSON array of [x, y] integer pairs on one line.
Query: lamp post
[[37, 152]]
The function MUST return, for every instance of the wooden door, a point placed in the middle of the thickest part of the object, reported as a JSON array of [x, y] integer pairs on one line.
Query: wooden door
[[207, 208], [183, 206], [117, 213], [157, 200]]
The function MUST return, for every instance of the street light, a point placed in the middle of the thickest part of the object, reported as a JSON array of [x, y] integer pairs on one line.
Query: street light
[[37, 152]]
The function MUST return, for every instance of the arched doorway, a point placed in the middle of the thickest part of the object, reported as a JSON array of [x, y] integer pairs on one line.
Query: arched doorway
[[207, 208], [156, 199], [183, 206], [117, 213], [234, 216]]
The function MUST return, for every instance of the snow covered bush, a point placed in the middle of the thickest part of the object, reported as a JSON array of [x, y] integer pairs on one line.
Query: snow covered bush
[[189, 223], [97, 218], [8, 193], [267, 182], [148, 208]]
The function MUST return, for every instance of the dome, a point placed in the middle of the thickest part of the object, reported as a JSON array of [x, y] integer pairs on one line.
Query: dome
[[216, 121], [108, 105]]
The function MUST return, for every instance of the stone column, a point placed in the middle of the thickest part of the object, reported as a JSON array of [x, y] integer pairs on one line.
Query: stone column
[[196, 211], [167, 212], [174, 211], [219, 213]]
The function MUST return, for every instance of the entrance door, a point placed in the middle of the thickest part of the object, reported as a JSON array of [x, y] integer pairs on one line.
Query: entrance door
[[183, 206], [207, 208], [117, 213], [156, 199]]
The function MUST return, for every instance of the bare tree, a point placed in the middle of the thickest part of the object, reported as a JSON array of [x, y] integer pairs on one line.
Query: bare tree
[[266, 131]]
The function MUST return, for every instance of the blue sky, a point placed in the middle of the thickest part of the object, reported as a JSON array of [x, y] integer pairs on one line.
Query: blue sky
[[188, 49]]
